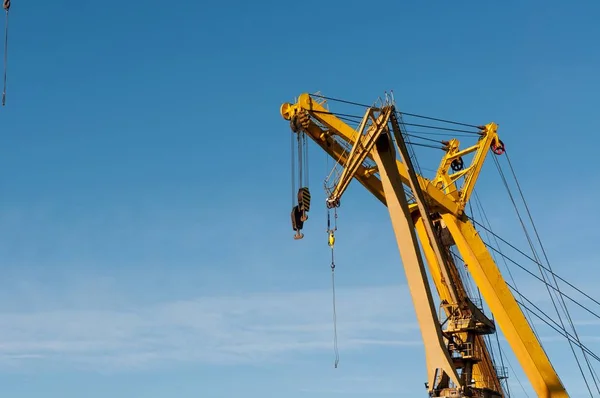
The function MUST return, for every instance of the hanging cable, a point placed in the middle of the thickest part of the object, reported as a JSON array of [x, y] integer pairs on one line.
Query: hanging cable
[[504, 256], [306, 164], [542, 273], [514, 373], [331, 243], [537, 263], [548, 285], [500, 354], [6, 6], [527, 311], [300, 210], [300, 160], [293, 167], [557, 328], [548, 320], [488, 233], [562, 301]]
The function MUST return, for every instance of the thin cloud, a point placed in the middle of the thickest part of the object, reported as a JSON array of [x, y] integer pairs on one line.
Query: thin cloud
[[212, 330]]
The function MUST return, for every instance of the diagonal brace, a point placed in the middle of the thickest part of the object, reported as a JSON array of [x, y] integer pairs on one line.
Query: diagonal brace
[[360, 150]]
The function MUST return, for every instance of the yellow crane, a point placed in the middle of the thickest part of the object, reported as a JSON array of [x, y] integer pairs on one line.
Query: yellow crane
[[429, 213]]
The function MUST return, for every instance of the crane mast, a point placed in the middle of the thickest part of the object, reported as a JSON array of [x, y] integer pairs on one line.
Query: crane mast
[[431, 217]]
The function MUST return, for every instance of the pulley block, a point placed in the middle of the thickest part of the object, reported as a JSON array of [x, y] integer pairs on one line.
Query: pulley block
[[332, 203], [297, 222], [303, 119], [294, 125], [304, 201], [300, 121], [498, 147], [457, 164]]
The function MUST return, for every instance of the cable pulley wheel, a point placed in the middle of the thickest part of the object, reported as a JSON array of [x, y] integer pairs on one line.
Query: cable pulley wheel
[[498, 147], [457, 164]]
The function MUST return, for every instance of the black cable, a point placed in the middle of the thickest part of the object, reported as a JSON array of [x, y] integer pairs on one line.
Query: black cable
[[485, 217], [337, 114], [425, 145], [439, 134], [300, 160], [501, 361], [423, 138], [405, 113], [579, 344], [541, 280], [567, 334], [6, 7], [563, 329], [560, 331], [566, 310], [347, 119], [546, 284], [340, 100], [515, 373], [528, 257], [293, 169], [441, 120], [355, 120], [397, 118], [440, 128]]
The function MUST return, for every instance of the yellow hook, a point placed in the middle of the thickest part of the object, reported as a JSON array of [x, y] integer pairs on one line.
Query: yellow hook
[[331, 239]]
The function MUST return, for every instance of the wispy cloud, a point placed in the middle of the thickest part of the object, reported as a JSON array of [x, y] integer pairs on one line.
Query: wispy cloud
[[226, 330], [215, 330]]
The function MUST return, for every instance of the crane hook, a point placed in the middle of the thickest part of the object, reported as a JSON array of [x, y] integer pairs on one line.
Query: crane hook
[[331, 240]]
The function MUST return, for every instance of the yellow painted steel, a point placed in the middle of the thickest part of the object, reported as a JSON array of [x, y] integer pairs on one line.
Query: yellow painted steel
[[484, 372], [505, 308], [444, 196], [445, 181], [333, 125], [436, 354], [424, 212], [360, 150]]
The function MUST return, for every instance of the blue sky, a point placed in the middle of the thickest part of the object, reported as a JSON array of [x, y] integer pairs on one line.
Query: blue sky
[[145, 188]]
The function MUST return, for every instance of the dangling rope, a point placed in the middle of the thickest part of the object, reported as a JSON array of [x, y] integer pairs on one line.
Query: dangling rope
[[6, 6], [331, 243], [293, 169]]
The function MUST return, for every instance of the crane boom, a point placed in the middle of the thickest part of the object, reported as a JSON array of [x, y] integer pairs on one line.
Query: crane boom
[[458, 360], [436, 354]]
